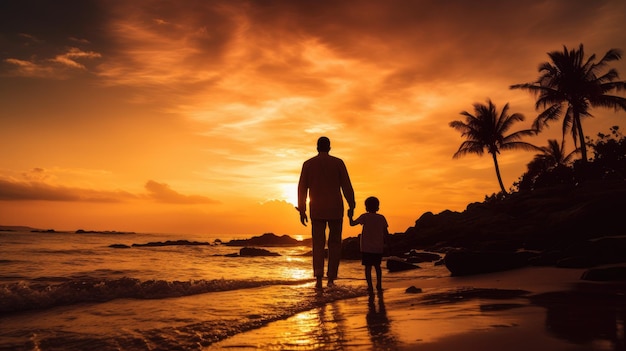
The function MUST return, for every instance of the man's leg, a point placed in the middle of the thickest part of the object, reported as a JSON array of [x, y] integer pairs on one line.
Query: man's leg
[[334, 248], [318, 234]]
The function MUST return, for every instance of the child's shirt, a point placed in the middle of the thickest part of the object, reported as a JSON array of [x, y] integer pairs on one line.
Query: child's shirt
[[373, 234]]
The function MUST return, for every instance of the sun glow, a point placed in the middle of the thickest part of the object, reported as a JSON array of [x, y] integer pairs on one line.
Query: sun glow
[[289, 193]]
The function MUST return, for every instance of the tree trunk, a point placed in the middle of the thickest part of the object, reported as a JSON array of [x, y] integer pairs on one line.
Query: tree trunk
[[581, 136], [495, 162]]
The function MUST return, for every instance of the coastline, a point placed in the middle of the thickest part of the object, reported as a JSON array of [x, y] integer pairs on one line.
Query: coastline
[[468, 313]]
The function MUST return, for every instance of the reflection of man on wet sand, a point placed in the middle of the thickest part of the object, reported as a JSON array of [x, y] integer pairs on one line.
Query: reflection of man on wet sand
[[324, 178]]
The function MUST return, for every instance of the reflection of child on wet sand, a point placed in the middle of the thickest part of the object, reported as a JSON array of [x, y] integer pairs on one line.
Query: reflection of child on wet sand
[[372, 240]]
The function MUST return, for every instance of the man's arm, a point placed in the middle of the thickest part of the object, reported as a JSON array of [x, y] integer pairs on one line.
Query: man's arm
[[303, 190], [346, 188]]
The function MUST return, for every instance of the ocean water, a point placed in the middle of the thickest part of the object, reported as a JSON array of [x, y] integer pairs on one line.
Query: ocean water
[[67, 291]]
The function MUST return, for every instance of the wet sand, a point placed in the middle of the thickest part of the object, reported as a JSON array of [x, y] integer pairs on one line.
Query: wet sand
[[535, 308]]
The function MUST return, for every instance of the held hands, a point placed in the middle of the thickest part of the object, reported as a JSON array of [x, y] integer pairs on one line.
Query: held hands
[[350, 215], [303, 218]]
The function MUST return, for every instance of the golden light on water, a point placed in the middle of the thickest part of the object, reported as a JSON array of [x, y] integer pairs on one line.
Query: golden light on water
[[295, 273]]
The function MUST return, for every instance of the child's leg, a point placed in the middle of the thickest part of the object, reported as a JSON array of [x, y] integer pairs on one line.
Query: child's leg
[[379, 277], [368, 277]]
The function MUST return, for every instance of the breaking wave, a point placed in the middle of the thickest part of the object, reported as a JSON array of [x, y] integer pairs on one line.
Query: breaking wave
[[23, 296]]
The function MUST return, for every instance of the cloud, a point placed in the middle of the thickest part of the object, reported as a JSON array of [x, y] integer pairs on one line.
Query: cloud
[[162, 192], [36, 186], [71, 57], [58, 67], [12, 190]]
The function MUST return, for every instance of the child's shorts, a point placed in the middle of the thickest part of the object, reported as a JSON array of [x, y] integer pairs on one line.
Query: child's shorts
[[371, 259]]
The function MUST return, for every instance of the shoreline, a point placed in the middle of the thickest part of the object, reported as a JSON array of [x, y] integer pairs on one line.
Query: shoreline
[[455, 313]]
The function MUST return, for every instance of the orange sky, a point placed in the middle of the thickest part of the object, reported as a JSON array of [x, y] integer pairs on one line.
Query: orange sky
[[196, 116]]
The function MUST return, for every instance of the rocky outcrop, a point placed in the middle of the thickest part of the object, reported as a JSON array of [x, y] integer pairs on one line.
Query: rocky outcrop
[[542, 220], [255, 252], [562, 226], [172, 243], [268, 240]]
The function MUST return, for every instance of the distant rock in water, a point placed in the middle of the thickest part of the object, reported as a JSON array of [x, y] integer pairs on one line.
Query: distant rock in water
[[173, 243], [268, 239], [413, 290], [254, 252]]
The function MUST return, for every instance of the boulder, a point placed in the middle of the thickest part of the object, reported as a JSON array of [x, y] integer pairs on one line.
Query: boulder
[[351, 249], [413, 290], [253, 252], [605, 274], [396, 264], [461, 263]]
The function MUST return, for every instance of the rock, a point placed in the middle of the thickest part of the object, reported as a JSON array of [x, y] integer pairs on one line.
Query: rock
[[413, 290], [593, 252], [615, 273], [549, 219], [576, 262], [414, 256], [351, 249], [396, 264], [172, 243], [268, 239], [254, 252], [461, 263]]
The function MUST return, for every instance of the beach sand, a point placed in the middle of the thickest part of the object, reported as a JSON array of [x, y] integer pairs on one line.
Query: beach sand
[[535, 308]]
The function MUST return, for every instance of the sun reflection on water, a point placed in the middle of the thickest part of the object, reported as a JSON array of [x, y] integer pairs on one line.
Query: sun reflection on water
[[313, 330], [295, 273]]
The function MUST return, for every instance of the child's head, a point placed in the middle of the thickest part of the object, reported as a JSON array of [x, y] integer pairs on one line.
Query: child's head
[[372, 204]]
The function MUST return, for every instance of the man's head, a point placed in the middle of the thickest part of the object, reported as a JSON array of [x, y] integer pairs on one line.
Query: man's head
[[323, 144]]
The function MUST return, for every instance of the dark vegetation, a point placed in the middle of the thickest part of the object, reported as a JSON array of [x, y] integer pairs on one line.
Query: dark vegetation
[[566, 215], [567, 209]]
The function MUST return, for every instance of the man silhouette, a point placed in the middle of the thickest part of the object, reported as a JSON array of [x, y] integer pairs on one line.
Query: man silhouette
[[324, 178]]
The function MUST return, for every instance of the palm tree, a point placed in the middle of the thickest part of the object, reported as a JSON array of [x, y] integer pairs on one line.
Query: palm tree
[[571, 83], [485, 130], [553, 155], [549, 167]]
